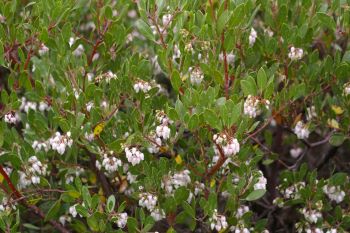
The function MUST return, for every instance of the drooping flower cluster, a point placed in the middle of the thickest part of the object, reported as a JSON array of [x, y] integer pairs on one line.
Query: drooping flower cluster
[[172, 182], [295, 53], [149, 201], [43, 49], [241, 211], [35, 169], [38, 146], [334, 193], [108, 76], [218, 222], [252, 106], [261, 184], [11, 118], [60, 142], [122, 219], [252, 36], [142, 86], [79, 51], [311, 215], [301, 130], [196, 75], [230, 58], [230, 146], [7, 205], [110, 163], [134, 156], [292, 192]]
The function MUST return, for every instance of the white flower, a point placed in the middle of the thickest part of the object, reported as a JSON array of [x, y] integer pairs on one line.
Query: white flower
[[43, 106], [89, 136], [196, 75], [71, 41], [142, 86], [111, 164], [43, 49], [332, 230], [98, 165], [73, 211], [89, 106], [218, 222], [79, 51], [11, 118], [261, 184], [231, 148], [311, 216], [347, 88], [2, 19], [311, 113], [130, 177], [7, 205], [36, 167], [158, 214], [334, 193], [163, 131], [96, 57], [252, 37], [241, 211], [90, 76], [64, 218], [295, 53], [60, 142], [177, 53], [166, 19], [301, 130], [38, 146], [230, 58], [179, 179], [24, 180], [133, 155], [27, 105], [295, 152], [122, 220], [251, 106], [155, 146], [148, 201]]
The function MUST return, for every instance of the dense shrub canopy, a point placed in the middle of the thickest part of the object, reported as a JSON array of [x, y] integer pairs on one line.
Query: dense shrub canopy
[[174, 116]]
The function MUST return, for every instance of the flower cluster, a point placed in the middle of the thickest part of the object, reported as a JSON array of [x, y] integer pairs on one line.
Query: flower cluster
[[7, 205], [122, 219], [11, 118], [218, 222], [142, 86], [252, 106], [230, 146], [60, 142], [149, 201], [38, 146], [252, 37], [35, 169], [301, 130], [334, 193], [261, 184], [133, 155], [179, 179], [110, 163], [311, 215], [295, 53], [196, 75]]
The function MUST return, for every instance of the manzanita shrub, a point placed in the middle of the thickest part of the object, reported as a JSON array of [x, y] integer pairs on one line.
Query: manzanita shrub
[[174, 116]]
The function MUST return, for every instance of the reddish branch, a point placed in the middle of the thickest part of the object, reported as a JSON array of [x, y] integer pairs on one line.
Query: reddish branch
[[218, 164], [33, 208]]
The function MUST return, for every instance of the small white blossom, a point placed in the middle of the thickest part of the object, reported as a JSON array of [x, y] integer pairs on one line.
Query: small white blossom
[[60, 142], [166, 19], [89, 136], [111, 163], [27, 105], [261, 184], [71, 41], [43, 50], [11, 118], [301, 130], [241, 211], [148, 201], [73, 211], [163, 131], [311, 113], [64, 218], [295, 152], [230, 58], [43, 106], [158, 214], [252, 37], [172, 182], [89, 106], [7, 205], [311, 216], [251, 106], [122, 219], [295, 53], [334, 193], [196, 75], [78, 52], [134, 156], [142, 86], [218, 222]]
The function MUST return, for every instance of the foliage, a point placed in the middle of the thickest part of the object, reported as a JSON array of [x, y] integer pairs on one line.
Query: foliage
[[174, 116]]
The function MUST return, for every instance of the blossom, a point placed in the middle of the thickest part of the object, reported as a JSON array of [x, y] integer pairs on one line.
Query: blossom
[[334, 193], [60, 142], [295, 53], [142, 86], [11, 118], [111, 163], [301, 130], [196, 75], [148, 201], [79, 51], [163, 131], [133, 155], [218, 222], [252, 37], [295, 152], [122, 219], [261, 184], [43, 49]]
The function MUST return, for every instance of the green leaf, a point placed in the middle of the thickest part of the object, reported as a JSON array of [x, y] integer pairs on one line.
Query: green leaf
[[337, 139], [262, 79], [82, 210], [110, 203], [237, 15], [194, 122], [53, 211], [248, 86], [256, 194], [92, 222], [176, 80], [212, 118], [326, 20], [144, 29]]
